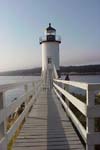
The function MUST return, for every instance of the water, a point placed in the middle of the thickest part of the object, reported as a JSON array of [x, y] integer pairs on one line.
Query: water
[[10, 95], [85, 79], [13, 94], [16, 79]]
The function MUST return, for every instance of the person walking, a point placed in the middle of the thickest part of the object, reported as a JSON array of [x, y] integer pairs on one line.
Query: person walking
[[67, 77]]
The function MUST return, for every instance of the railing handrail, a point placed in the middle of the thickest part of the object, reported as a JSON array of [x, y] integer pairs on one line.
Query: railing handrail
[[55, 72], [5, 87], [82, 85], [5, 111], [73, 83], [88, 109], [75, 101]]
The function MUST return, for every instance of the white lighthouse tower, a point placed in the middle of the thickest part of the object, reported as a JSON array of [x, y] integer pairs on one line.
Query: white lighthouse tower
[[50, 48]]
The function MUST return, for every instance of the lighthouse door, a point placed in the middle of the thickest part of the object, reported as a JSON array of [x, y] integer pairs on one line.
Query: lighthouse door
[[49, 61], [50, 72]]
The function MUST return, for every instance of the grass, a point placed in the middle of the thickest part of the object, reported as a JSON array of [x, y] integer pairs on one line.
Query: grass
[[13, 139], [10, 122]]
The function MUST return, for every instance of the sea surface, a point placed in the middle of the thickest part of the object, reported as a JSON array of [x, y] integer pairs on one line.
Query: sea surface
[[11, 95], [84, 79], [14, 94]]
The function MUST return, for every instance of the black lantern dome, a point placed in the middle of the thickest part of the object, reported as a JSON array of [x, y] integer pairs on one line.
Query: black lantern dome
[[50, 28], [50, 35]]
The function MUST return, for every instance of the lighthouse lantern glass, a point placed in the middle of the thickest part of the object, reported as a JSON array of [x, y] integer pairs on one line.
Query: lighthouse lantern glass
[[50, 32]]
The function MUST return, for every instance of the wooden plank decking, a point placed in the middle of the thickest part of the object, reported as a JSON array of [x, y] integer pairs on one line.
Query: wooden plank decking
[[47, 127]]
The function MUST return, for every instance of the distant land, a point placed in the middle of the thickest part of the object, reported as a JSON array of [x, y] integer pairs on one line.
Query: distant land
[[73, 70], [81, 70]]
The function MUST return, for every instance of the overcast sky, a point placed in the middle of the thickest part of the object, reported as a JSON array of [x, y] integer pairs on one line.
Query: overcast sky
[[22, 22]]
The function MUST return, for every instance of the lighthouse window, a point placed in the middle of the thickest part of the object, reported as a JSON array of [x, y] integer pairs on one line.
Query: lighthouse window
[[49, 61]]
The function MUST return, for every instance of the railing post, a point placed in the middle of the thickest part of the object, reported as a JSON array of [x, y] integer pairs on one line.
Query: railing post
[[26, 90], [36, 86], [3, 145], [89, 119], [26, 101], [66, 87], [33, 86]]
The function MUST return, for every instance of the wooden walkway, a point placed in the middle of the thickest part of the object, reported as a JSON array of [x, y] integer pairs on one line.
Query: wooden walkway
[[47, 127]]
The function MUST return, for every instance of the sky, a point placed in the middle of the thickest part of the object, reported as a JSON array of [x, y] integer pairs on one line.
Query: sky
[[22, 22]]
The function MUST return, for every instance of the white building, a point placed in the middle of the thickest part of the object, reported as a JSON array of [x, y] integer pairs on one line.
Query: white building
[[50, 48]]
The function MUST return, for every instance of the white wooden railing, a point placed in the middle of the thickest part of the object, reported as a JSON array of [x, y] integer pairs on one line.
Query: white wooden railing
[[5, 111], [89, 109]]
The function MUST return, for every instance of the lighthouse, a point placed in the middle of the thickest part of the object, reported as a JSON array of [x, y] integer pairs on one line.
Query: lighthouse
[[50, 48]]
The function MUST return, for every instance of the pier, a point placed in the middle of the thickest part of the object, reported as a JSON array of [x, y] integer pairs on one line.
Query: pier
[[49, 123]]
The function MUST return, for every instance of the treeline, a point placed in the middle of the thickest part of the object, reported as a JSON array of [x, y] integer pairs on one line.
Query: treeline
[[86, 69], [26, 72]]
